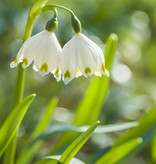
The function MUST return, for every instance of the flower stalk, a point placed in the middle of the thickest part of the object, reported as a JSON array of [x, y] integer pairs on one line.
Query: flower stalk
[[9, 156]]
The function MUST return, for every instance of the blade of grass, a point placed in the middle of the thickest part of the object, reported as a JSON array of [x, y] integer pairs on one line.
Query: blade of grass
[[9, 127], [55, 160], [75, 146], [34, 12], [117, 153], [100, 129], [144, 125], [153, 150], [28, 153], [146, 130], [46, 118]]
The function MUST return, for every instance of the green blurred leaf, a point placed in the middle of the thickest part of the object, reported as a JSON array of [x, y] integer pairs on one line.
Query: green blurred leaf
[[94, 97], [9, 127], [75, 146], [28, 153], [145, 124], [145, 130], [55, 159], [117, 153], [100, 129], [37, 6], [46, 118], [153, 150]]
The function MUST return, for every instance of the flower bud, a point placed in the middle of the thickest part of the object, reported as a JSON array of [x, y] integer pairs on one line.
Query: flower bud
[[52, 25], [76, 24]]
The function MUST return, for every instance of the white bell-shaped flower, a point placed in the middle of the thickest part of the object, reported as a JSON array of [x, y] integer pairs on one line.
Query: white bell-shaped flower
[[44, 50], [81, 56]]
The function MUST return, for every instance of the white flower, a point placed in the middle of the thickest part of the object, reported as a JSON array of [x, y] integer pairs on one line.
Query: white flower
[[44, 50], [81, 56]]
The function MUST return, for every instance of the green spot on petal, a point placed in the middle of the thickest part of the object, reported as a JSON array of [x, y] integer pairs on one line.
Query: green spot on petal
[[57, 71], [25, 61], [87, 70], [103, 67], [67, 74], [44, 67], [15, 61]]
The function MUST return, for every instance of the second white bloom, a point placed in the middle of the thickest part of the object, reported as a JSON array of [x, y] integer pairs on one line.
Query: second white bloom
[[81, 56]]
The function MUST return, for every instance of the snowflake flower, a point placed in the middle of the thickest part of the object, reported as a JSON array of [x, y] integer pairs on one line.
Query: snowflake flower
[[44, 50], [81, 56]]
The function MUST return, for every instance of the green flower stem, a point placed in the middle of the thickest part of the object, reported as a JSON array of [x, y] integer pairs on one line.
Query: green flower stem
[[9, 156], [19, 85], [50, 7], [75, 22]]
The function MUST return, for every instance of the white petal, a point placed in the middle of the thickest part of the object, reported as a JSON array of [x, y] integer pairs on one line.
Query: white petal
[[97, 73], [97, 54], [106, 73], [35, 68], [48, 51], [78, 73], [13, 64], [67, 80], [43, 72], [24, 51], [87, 60], [57, 74], [69, 60]]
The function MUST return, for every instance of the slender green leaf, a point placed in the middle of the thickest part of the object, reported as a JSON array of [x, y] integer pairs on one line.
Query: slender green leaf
[[9, 127], [28, 153], [148, 121], [153, 150], [117, 153], [100, 129], [94, 97], [55, 160], [39, 4], [146, 130], [75, 146], [46, 118]]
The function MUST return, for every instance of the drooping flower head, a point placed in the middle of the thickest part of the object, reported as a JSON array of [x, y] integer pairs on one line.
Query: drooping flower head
[[43, 49], [81, 56]]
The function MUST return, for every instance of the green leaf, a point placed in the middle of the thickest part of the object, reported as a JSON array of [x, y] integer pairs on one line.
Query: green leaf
[[145, 130], [47, 161], [55, 160], [145, 124], [46, 118], [117, 153], [28, 153], [92, 102], [75, 146], [100, 129], [9, 127], [153, 150], [38, 5]]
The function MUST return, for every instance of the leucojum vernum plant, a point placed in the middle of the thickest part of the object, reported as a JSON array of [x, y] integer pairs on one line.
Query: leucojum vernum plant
[[79, 56]]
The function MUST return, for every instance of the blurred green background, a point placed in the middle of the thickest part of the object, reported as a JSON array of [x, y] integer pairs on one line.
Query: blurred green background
[[132, 91]]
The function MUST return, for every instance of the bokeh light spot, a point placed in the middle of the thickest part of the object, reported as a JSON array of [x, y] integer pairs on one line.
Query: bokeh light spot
[[121, 73]]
